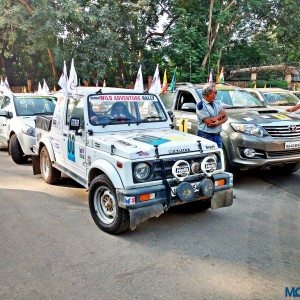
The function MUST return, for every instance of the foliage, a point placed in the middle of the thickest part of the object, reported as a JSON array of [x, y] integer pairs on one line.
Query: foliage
[[110, 38]]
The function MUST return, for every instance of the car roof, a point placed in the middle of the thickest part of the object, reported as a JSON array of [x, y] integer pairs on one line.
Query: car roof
[[219, 86], [86, 90], [272, 90]]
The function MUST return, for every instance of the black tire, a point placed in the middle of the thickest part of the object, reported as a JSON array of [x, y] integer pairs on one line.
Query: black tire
[[49, 173], [15, 150], [104, 208]]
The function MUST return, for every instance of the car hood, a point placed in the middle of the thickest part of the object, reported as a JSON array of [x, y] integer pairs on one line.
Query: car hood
[[30, 121], [261, 116], [143, 144]]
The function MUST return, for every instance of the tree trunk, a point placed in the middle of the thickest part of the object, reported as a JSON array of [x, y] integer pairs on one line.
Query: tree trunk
[[52, 63]]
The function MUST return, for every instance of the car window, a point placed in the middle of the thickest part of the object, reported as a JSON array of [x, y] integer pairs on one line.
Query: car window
[[33, 106], [280, 99], [186, 101], [236, 98], [75, 109]]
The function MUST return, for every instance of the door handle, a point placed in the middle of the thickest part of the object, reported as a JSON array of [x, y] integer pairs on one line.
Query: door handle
[[65, 134]]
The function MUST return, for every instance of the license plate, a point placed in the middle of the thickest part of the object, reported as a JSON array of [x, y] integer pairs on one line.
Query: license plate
[[292, 145]]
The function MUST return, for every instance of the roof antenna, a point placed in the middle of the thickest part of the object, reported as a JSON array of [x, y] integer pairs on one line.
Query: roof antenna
[[99, 92]]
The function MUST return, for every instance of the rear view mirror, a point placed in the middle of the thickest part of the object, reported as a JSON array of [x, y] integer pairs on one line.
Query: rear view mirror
[[6, 114], [74, 124], [189, 107]]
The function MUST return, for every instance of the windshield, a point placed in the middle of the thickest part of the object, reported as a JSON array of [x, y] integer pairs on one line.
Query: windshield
[[236, 98], [119, 109], [34, 105], [280, 99]]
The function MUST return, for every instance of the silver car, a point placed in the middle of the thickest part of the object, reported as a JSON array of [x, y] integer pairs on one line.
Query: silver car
[[254, 135]]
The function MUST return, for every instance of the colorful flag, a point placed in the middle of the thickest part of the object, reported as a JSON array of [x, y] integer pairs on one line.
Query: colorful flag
[[139, 84], [73, 81], [221, 76], [155, 87], [210, 77], [254, 85], [63, 81], [45, 88], [165, 83], [40, 90], [173, 82], [6, 83]]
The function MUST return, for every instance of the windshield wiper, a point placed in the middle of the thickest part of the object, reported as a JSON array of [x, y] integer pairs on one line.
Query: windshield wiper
[[115, 120], [151, 118]]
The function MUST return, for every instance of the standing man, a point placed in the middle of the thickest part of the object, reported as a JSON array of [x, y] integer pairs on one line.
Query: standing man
[[211, 115]]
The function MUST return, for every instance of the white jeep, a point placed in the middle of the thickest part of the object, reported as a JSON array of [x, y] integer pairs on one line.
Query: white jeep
[[121, 145], [18, 112]]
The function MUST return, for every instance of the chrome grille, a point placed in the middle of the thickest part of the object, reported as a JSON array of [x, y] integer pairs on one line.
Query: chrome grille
[[287, 131]]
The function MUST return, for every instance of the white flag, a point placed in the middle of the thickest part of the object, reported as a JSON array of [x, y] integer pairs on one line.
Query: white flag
[[6, 83], [40, 90], [155, 87], [63, 80], [72, 82], [45, 88], [139, 85], [2, 85], [104, 83]]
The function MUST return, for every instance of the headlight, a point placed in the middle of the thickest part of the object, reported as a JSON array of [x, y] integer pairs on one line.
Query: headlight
[[141, 171], [28, 130], [248, 129]]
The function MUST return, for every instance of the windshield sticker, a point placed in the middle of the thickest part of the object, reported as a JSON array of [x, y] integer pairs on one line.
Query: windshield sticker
[[81, 152], [265, 117], [282, 117], [180, 150], [248, 119], [71, 147], [129, 200], [152, 140]]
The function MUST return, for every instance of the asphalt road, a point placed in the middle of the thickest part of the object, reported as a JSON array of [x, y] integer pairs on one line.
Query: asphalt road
[[50, 247]]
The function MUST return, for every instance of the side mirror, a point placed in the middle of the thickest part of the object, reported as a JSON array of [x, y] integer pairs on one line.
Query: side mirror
[[5, 114], [191, 107], [171, 115], [74, 124]]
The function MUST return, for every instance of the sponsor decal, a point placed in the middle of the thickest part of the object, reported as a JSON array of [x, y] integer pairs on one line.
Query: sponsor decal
[[142, 153], [265, 117], [152, 140], [81, 152], [209, 147], [117, 98], [148, 97], [181, 169], [282, 117], [125, 143], [71, 147], [89, 160], [179, 150], [208, 165], [129, 200]]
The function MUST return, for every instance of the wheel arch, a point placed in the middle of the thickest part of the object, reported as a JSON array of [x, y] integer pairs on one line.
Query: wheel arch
[[45, 142], [100, 167]]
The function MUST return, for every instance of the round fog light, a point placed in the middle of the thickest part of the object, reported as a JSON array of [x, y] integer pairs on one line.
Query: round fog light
[[196, 167], [248, 152], [206, 186], [185, 191]]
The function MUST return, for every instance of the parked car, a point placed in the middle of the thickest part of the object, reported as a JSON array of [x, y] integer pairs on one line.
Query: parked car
[[296, 93], [275, 97], [255, 135], [121, 146], [18, 112]]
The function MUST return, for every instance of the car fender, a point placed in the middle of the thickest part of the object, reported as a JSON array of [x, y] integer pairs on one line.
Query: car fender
[[46, 141], [108, 169]]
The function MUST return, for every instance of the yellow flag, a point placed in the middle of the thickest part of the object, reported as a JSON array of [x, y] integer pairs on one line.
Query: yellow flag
[[165, 83]]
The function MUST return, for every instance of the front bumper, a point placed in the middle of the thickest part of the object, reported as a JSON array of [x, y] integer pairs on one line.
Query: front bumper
[[164, 197], [269, 151], [26, 142]]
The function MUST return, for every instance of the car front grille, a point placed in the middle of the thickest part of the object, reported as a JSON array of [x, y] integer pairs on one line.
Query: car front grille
[[287, 131], [272, 154]]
